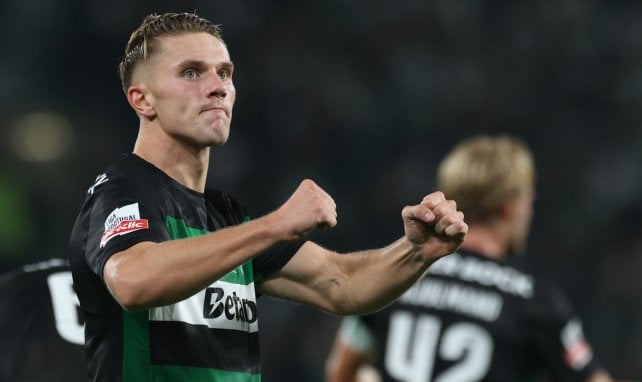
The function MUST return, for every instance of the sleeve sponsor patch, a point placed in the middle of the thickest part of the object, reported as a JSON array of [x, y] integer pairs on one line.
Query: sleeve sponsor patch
[[577, 351], [122, 221]]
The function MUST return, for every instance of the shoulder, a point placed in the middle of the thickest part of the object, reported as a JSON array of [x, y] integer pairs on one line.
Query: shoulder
[[34, 270], [129, 170], [24, 284], [128, 179], [126, 183]]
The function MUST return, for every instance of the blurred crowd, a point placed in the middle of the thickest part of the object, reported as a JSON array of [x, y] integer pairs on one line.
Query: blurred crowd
[[364, 97]]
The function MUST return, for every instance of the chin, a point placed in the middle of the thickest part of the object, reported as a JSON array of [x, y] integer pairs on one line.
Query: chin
[[220, 136], [217, 142], [220, 141], [216, 137]]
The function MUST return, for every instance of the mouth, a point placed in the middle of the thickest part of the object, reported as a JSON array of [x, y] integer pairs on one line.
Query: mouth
[[214, 109]]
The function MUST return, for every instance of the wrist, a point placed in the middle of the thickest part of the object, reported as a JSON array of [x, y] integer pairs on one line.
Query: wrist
[[417, 252], [276, 226]]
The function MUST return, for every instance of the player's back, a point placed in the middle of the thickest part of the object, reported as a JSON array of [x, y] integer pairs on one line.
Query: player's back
[[40, 325], [475, 319]]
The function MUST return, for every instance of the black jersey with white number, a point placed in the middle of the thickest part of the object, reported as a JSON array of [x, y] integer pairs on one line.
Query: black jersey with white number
[[475, 319], [41, 329], [212, 335]]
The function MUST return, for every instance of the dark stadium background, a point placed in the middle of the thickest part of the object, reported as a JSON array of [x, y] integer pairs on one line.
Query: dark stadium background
[[364, 97]]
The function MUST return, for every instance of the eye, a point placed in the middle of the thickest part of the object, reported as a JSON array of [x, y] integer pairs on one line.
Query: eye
[[190, 74], [224, 74]]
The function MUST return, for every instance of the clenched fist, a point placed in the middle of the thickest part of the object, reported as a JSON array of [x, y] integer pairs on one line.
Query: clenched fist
[[309, 207], [435, 227]]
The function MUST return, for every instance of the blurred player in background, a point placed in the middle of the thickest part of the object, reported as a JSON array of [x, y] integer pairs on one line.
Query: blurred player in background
[[41, 328], [474, 318], [166, 271]]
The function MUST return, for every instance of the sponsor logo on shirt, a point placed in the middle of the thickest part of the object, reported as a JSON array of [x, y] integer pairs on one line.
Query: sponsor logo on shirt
[[222, 305], [232, 306], [122, 221]]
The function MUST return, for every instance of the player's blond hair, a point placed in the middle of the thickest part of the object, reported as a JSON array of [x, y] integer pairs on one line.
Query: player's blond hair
[[484, 171], [143, 40]]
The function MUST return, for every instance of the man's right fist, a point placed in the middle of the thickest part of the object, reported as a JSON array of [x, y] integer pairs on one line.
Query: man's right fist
[[309, 207]]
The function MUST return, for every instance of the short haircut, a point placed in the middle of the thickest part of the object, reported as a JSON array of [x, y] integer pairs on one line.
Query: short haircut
[[483, 172], [143, 41]]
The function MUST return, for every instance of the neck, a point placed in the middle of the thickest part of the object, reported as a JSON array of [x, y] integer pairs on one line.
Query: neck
[[488, 240], [183, 163]]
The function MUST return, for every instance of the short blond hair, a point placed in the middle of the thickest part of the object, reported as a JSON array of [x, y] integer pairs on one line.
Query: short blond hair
[[143, 40], [483, 172]]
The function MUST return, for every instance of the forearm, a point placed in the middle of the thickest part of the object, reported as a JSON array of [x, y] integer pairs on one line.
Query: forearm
[[375, 278], [347, 284], [155, 274], [367, 281], [433, 229]]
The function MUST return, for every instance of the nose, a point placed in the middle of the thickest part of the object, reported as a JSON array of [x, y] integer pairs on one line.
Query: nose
[[216, 87]]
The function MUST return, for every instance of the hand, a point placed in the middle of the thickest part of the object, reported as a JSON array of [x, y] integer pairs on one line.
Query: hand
[[309, 207], [434, 227]]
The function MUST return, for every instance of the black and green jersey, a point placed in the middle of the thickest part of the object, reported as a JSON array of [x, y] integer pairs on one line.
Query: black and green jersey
[[211, 336]]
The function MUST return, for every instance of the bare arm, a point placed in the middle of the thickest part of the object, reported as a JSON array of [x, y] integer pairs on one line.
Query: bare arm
[[362, 282], [155, 274]]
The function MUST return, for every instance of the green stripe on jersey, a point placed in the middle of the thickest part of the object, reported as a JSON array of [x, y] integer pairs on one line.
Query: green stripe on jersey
[[197, 374], [242, 275], [136, 353], [178, 229]]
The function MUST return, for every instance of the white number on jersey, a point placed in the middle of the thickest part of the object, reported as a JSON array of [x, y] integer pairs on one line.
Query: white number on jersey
[[65, 307], [412, 348]]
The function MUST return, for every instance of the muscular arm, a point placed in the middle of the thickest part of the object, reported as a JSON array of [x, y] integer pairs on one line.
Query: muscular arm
[[354, 283], [154, 274], [366, 281]]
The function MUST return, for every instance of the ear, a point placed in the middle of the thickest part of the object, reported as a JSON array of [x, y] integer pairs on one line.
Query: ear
[[507, 209], [139, 99]]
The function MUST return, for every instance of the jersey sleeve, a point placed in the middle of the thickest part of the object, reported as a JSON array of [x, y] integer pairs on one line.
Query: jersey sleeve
[[123, 213], [558, 336], [275, 258]]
